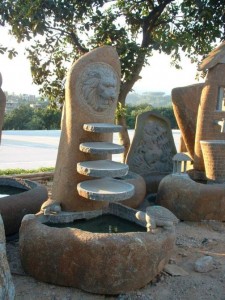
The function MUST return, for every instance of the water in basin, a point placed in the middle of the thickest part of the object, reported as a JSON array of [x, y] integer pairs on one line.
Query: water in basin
[[7, 190], [102, 224]]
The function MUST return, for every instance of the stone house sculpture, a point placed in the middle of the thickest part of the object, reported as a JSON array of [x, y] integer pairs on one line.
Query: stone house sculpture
[[200, 108], [211, 112]]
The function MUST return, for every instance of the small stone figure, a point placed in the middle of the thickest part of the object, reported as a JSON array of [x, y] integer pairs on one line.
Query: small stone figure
[[50, 207], [157, 216]]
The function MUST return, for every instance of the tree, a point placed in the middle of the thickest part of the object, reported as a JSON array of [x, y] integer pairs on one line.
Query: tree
[[19, 118], [26, 117], [60, 31]]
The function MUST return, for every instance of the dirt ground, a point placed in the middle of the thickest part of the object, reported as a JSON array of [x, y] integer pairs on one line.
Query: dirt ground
[[194, 240]]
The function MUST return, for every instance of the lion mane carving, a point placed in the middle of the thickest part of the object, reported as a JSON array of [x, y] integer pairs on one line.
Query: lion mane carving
[[99, 87]]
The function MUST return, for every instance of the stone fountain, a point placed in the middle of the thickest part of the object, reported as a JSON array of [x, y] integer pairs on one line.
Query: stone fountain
[[85, 237], [17, 197], [199, 194]]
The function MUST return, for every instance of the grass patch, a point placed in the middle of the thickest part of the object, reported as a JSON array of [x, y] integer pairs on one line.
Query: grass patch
[[24, 171]]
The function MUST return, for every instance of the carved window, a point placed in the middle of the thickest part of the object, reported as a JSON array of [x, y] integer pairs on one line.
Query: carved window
[[221, 99]]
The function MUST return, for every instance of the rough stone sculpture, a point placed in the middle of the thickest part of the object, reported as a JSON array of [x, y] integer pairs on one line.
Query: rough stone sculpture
[[211, 109], [190, 200], [185, 106], [157, 216], [2, 106], [92, 88], [152, 149], [7, 290]]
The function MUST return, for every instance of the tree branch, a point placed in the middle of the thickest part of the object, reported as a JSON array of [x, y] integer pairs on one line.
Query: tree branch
[[73, 37]]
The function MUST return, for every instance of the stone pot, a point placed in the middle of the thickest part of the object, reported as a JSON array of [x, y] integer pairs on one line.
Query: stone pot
[[190, 200], [140, 189], [14, 207], [102, 263]]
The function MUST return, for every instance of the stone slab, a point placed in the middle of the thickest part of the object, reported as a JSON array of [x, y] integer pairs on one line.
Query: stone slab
[[102, 168], [102, 127], [101, 148], [105, 189]]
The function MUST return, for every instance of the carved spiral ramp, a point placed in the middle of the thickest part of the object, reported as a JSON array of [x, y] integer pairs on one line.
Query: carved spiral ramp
[[106, 188]]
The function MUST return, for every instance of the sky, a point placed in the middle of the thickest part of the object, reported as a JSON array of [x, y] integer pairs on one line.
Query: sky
[[159, 76]]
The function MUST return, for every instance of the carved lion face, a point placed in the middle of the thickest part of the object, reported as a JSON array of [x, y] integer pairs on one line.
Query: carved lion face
[[99, 86]]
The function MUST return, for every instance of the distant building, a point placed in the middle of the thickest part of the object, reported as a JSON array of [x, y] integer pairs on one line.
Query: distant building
[[14, 101]]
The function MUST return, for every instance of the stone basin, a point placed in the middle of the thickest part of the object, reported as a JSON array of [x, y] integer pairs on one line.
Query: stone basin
[[103, 263], [190, 200], [214, 159], [27, 198]]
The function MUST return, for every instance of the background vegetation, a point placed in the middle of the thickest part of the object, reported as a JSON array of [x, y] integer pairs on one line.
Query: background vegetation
[[58, 32], [27, 118]]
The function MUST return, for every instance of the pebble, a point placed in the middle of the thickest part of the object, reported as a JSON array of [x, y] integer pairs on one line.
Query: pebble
[[204, 264]]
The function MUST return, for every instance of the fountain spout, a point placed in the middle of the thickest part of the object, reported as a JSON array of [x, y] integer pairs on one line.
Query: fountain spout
[[221, 123]]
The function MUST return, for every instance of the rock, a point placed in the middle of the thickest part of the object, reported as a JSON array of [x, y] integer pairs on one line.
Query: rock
[[105, 263], [92, 88], [7, 290], [190, 200], [204, 264], [185, 105], [174, 270], [157, 216], [152, 149]]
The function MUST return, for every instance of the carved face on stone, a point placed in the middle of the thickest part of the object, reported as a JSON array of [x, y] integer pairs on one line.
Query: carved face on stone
[[99, 86]]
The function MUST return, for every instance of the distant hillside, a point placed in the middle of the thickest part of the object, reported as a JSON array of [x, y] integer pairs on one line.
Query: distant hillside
[[156, 99]]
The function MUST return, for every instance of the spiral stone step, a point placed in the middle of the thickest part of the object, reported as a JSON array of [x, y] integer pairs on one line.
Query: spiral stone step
[[101, 148], [102, 168], [101, 127], [105, 189]]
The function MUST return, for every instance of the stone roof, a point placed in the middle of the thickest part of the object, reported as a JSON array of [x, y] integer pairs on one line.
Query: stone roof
[[181, 156], [217, 56]]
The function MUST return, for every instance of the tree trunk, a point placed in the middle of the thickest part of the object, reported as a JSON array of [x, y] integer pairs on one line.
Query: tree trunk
[[2, 106], [123, 136]]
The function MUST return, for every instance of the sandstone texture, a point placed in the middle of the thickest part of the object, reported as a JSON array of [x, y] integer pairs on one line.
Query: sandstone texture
[[92, 88], [139, 189], [7, 290], [190, 200], [14, 207], [97, 263], [209, 112], [152, 149], [185, 106]]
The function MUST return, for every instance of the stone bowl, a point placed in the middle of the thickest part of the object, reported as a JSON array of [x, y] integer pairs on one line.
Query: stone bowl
[[139, 186], [102, 263], [15, 206], [190, 200]]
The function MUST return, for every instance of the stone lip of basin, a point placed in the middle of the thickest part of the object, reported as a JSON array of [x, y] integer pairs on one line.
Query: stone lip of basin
[[103, 263], [14, 207], [190, 200]]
